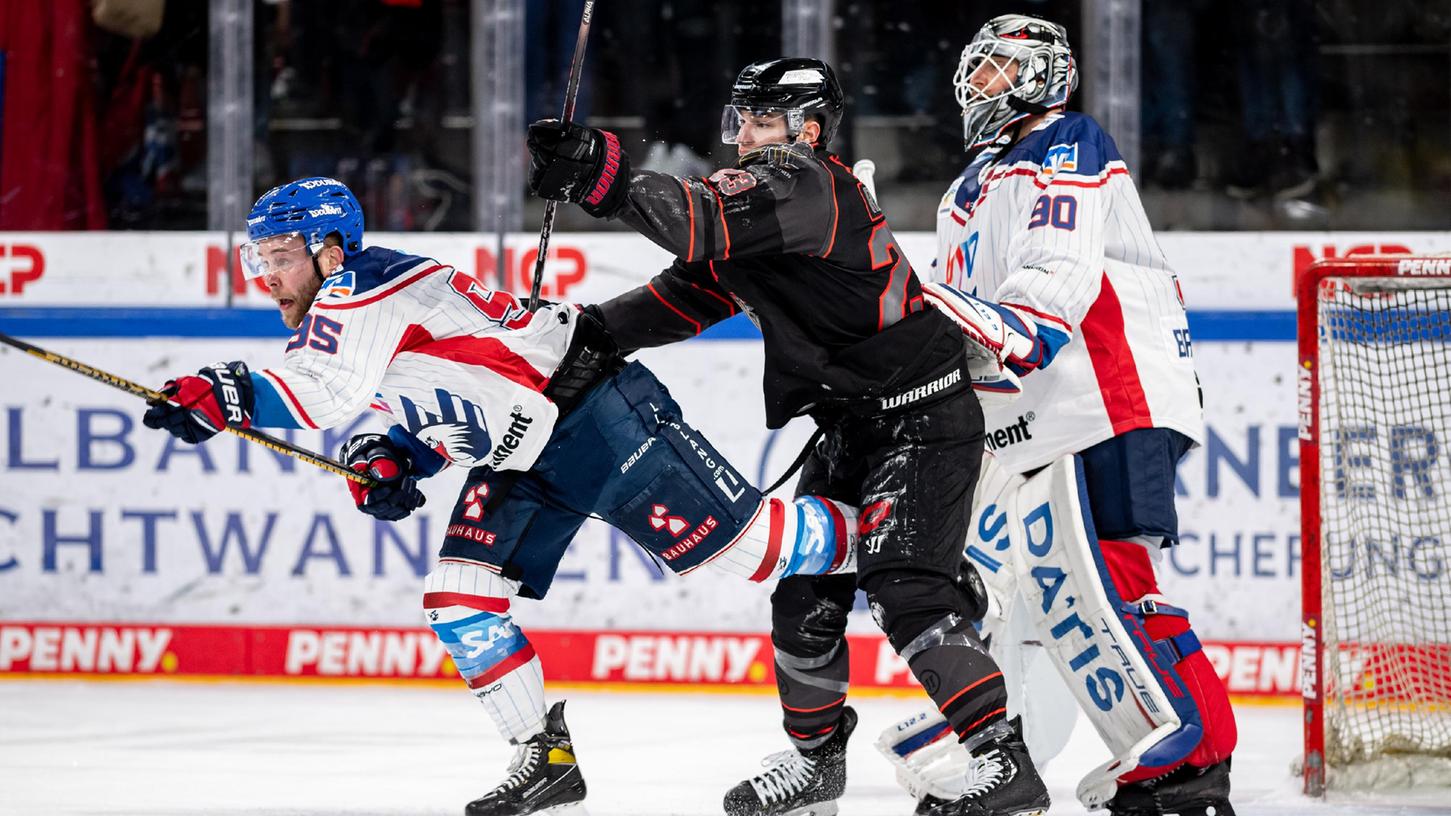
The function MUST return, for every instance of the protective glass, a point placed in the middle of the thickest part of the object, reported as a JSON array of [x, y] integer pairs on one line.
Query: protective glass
[[279, 254], [766, 122]]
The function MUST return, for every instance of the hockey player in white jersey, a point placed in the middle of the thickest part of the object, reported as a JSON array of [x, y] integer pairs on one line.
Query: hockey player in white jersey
[[1046, 259], [553, 424]]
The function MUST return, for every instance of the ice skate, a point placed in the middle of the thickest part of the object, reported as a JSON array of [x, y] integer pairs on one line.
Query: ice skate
[[795, 782], [543, 776], [1186, 791], [1001, 781]]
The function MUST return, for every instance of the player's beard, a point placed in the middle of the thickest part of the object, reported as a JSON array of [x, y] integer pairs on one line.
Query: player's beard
[[297, 302]]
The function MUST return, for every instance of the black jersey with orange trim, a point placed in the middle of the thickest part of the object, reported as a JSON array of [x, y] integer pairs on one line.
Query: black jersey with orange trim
[[793, 239]]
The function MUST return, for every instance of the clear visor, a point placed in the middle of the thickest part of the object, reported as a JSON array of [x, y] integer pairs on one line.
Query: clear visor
[[988, 71], [275, 255], [759, 125]]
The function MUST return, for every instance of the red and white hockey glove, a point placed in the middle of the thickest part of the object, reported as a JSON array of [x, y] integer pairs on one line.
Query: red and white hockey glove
[[383, 460], [219, 396], [1007, 336]]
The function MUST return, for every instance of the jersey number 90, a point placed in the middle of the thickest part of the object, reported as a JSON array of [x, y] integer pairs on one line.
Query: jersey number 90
[[1061, 212]]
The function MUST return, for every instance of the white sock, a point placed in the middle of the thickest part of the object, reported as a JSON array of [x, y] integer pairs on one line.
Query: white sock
[[467, 606]]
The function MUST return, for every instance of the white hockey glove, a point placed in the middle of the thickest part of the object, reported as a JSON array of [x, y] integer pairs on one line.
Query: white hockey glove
[[1009, 336], [993, 382]]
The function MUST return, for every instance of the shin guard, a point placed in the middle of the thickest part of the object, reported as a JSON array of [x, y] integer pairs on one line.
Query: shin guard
[[467, 606], [954, 668], [808, 631], [813, 693]]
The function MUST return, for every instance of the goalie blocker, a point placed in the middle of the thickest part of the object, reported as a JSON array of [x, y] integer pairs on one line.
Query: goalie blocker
[[1128, 657]]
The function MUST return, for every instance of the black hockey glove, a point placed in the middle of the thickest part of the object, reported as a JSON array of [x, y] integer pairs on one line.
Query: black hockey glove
[[382, 459], [578, 164], [218, 396], [591, 357]]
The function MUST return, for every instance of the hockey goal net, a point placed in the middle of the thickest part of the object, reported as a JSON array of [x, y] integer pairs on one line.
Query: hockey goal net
[[1374, 393]]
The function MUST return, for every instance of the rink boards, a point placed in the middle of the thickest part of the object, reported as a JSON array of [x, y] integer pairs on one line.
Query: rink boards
[[726, 660], [226, 559]]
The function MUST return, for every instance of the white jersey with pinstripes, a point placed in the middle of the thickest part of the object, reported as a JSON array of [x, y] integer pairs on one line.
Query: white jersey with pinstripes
[[459, 366], [1053, 225]]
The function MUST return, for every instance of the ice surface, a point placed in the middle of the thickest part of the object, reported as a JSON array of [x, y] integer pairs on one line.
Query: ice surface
[[162, 748]]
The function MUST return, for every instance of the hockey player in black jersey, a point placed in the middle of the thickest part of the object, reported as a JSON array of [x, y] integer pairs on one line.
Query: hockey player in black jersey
[[790, 237]]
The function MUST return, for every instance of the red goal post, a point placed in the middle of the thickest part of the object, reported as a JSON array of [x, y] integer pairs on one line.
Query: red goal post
[[1374, 385]]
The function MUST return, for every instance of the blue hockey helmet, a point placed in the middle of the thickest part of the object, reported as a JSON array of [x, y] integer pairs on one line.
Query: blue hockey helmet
[[309, 209]]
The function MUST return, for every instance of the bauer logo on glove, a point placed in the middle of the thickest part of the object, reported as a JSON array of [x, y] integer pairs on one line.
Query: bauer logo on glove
[[219, 396]]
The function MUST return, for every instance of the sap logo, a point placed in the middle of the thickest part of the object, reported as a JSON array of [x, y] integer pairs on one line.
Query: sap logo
[[340, 284], [326, 209], [479, 641], [1061, 158], [1305, 255], [564, 268], [27, 267]]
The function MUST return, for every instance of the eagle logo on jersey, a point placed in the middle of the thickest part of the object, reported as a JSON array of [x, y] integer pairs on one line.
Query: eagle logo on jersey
[[455, 441]]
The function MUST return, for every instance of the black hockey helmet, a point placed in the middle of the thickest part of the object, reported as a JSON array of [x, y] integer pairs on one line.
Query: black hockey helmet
[[796, 87]]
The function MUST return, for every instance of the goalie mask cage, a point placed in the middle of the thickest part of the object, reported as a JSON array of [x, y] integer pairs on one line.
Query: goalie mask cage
[[1374, 399]]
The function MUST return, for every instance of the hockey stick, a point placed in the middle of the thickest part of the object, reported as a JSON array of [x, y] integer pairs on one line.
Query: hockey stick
[[571, 90], [270, 442], [865, 171]]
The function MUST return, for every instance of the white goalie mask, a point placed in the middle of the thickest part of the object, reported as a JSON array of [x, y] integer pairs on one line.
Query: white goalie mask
[[1015, 67]]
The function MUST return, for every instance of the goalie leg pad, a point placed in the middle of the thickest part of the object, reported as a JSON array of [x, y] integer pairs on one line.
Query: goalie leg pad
[[808, 630], [1132, 571], [467, 606], [1129, 687]]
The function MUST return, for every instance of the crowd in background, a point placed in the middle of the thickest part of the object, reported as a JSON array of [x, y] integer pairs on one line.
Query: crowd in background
[[1256, 114]]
